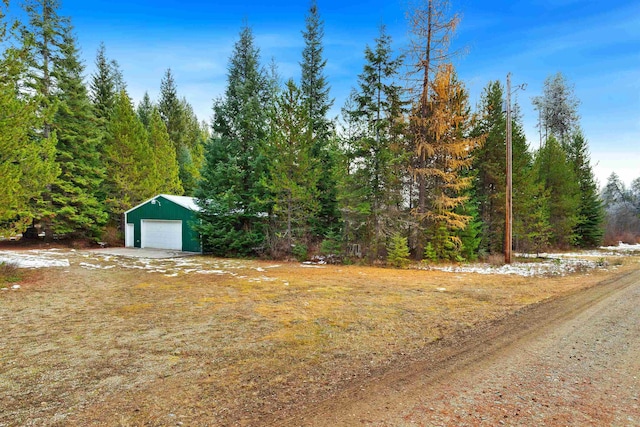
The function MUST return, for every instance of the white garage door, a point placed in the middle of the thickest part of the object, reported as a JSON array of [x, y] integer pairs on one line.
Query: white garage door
[[161, 234]]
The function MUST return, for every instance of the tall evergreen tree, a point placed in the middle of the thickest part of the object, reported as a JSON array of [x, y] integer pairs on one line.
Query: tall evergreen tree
[[166, 171], [531, 227], [589, 229], [184, 131], [490, 164], [171, 109], [43, 35], [530, 224], [129, 160], [26, 162], [353, 197], [105, 85], [315, 90], [377, 152], [293, 173], [556, 173], [77, 211], [191, 153], [231, 192], [145, 110]]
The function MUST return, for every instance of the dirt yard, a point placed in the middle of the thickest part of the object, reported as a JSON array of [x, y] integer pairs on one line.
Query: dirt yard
[[105, 340]]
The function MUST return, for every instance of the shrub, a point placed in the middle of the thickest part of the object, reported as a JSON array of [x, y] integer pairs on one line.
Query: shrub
[[398, 251], [301, 252], [9, 272], [430, 253], [331, 245]]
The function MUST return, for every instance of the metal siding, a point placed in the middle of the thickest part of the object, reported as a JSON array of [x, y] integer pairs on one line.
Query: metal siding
[[166, 210]]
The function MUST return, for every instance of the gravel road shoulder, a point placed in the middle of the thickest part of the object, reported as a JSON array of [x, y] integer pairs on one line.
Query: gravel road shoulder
[[571, 361]]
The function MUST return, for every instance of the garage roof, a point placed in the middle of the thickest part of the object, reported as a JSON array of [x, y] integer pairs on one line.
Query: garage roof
[[184, 201]]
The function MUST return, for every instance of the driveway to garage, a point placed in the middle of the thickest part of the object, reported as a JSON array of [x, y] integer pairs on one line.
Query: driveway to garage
[[144, 253]]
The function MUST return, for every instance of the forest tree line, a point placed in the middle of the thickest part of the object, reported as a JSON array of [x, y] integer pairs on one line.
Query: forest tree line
[[405, 169]]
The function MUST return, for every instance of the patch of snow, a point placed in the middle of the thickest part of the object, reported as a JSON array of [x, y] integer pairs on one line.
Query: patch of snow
[[622, 247], [95, 266], [210, 271], [32, 259], [311, 266], [553, 267], [15, 287]]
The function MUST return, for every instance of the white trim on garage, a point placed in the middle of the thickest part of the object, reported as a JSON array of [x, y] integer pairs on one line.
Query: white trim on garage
[[161, 234], [184, 201], [128, 235]]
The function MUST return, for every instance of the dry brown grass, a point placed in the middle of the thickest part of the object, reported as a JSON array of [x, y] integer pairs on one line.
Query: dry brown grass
[[121, 347], [9, 273]]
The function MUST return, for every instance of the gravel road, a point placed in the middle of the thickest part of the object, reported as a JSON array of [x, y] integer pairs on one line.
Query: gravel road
[[574, 361]]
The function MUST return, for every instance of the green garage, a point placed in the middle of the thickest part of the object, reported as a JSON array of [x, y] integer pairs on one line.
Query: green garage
[[163, 222]]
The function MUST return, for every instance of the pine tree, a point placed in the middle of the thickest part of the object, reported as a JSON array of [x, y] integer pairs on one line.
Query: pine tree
[[377, 149], [353, 197], [166, 178], [129, 160], [231, 191], [106, 83], [398, 251], [191, 154], [490, 165], [556, 173], [529, 201], [171, 109], [315, 90], [293, 174], [145, 110], [531, 227], [77, 211], [589, 229], [43, 36], [26, 162], [184, 131], [470, 236]]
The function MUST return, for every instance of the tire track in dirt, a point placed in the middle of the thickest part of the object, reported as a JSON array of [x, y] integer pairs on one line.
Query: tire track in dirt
[[422, 390]]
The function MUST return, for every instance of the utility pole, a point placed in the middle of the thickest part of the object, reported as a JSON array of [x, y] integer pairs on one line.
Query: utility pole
[[509, 190]]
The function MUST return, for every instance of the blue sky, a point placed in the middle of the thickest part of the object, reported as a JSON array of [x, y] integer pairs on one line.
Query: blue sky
[[595, 44]]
